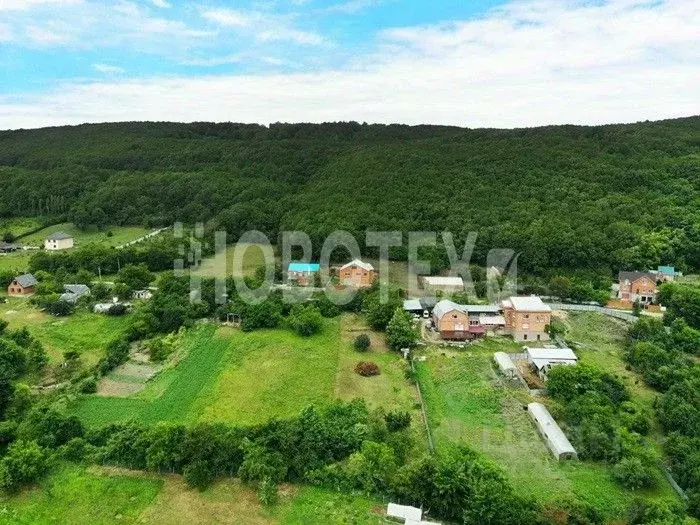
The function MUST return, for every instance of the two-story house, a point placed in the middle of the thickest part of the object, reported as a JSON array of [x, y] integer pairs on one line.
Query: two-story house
[[635, 286], [527, 318], [58, 241], [357, 273]]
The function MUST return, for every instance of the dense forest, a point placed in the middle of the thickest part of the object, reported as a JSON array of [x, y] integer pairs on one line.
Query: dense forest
[[567, 197]]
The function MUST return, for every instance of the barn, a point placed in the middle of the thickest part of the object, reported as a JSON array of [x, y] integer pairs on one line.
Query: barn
[[557, 443]]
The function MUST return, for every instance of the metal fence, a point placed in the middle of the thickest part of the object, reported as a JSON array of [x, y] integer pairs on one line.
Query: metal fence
[[625, 316]]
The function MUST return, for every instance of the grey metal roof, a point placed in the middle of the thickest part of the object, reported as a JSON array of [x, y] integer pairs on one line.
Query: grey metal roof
[[26, 280], [76, 289], [58, 236], [412, 305], [556, 441], [633, 276]]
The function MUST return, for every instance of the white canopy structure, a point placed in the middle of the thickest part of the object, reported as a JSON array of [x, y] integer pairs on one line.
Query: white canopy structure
[[505, 364], [556, 441]]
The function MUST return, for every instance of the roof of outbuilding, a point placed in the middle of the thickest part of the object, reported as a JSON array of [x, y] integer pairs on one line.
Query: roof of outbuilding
[[26, 280], [76, 289], [412, 305], [445, 306], [553, 433], [358, 262], [633, 276], [59, 236], [303, 267], [437, 280]]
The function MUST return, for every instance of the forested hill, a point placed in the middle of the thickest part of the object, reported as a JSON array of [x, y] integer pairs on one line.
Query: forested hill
[[616, 196]]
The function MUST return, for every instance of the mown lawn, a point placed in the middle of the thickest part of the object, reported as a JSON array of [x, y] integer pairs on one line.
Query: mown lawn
[[16, 262], [247, 378], [100, 495], [222, 263], [120, 234], [72, 494], [468, 403], [85, 332]]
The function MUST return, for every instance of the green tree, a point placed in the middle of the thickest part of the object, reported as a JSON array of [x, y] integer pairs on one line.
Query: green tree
[[305, 320], [24, 463], [400, 332]]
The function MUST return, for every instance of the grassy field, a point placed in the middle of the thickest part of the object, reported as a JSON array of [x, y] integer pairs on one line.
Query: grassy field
[[86, 332], [18, 225], [221, 265], [16, 262], [96, 495], [469, 403], [247, 378], [120, 234]]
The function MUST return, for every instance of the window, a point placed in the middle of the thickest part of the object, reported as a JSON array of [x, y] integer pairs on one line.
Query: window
[[524, 337], [527, 316]]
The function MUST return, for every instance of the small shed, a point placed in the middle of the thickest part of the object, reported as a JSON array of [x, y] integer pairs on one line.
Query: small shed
[[543, 359], [22, 285], [505, 364], [436, 283], [73, 292], [556, 441], [142, 294], [404, 512]]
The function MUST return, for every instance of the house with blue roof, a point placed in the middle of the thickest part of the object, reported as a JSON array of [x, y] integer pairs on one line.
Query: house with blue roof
[[301, 273], [667, 273]]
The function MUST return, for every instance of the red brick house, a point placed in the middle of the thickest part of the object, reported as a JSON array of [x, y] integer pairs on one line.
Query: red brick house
[[22, 285], [637, 285]]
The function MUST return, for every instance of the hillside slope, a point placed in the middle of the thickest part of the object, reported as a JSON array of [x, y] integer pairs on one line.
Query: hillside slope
[[617, 196]]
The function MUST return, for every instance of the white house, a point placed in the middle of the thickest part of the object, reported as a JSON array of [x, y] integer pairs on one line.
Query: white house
[[505, 364], [543, 359], [58, 241]]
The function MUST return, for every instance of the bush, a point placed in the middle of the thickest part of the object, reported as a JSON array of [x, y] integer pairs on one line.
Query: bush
[[305, 320], [362, 343], [633, 473], [24, 463], [400, 332], [88, 386], [367, 368], [117, 309], [396, 420], [60, 308], [267, 492]]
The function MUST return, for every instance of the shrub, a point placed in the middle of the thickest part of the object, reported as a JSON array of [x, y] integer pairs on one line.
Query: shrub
[[117, 309], [24, 463], [267, 492], [305, 320], [367, 368], [88, 386], [362, 343], [60, 308], [400, 332], [633, 473], [396, 420]]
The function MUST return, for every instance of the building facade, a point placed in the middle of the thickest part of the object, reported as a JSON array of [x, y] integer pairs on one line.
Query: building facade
[[357, 274], [22, 285], [635, 286], [526, 318], [302, 274], [58, 241]]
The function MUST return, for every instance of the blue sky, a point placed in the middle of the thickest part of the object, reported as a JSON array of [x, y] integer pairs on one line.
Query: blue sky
[[474, 63]]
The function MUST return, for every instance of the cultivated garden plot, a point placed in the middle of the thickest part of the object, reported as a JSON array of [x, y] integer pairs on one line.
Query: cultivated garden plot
[[469, 403], [227, 375]]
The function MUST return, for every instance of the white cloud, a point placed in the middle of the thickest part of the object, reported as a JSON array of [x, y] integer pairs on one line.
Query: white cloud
[[529, 63], [161, 3], [108, 69], [229, 17], [350, 7], [6, 34], [214, 61], [266, 27], [23, 5], [292, 35], [46, 35]]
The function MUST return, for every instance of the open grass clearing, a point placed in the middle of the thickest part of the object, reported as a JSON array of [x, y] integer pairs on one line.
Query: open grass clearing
[[241, 378], [18, 225], [222, 263], [468, 403], [84, 332], [119, 234], [16, 262], [101, 495]]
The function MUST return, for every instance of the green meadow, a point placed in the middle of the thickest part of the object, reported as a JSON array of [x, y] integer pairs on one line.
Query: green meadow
[[103, 495], [469, 403], [228, 375]]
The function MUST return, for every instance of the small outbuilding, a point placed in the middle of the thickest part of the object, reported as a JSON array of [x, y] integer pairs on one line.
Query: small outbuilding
[[73, 292], [505, 364], [437, 283], [557, 443], [542, 360]]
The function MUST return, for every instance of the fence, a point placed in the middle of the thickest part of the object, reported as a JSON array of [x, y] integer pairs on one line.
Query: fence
[[625, 316]]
